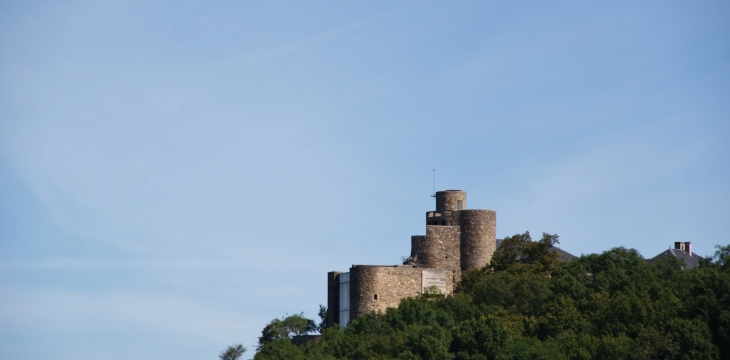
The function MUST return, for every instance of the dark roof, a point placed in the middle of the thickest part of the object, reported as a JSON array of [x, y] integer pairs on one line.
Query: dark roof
[[562, 254], [690, 261], [301, 340]]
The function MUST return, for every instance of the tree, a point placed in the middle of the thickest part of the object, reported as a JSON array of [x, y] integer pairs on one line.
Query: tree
[[528, 305], [722, 256], [233, 352], [285, 328], [478, 339], [323, 317], [518, 253]]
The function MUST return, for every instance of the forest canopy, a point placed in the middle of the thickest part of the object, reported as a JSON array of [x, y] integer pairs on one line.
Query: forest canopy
[[528, 305]]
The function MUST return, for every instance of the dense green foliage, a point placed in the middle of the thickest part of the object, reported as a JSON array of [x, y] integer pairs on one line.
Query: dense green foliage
[[285, 328], [527, 305]]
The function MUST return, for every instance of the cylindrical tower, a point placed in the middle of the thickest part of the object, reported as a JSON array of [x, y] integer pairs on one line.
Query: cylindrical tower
[[450, 200], [440, 248], [363, 284], [478, 237]]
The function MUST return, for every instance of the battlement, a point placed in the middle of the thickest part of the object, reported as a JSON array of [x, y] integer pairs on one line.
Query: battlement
[[438, 218]]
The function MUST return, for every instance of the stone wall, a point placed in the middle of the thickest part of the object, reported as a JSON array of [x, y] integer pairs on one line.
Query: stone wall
[[455, 240], [478, 237], [439, 249], [417, 242], [447, 200], [333, 297], [391, 284]]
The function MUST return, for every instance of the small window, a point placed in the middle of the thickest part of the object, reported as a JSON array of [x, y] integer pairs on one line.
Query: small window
[[459, 205], [375, 296]]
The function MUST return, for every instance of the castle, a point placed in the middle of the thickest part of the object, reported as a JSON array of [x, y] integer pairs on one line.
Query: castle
[[457, 239]]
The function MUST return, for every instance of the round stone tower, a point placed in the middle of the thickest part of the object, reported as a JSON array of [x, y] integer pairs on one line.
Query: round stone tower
[[450, 200], [478, 237]]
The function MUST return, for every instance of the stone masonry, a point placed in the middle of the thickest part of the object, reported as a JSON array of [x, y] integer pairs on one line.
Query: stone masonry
[[449, 200], [478, 237], [439, 249], [376, 288], [456, 239]]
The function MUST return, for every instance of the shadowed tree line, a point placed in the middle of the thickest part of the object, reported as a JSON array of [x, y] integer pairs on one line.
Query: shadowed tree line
[[527, 305]]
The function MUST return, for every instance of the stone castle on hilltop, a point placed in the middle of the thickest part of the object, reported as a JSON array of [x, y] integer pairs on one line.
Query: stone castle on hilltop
[[457, 239]]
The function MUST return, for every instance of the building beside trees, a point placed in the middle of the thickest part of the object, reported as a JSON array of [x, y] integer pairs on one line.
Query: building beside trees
[[457, 239], [515, 298]]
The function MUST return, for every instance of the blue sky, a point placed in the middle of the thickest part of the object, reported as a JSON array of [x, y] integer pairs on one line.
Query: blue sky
[[174, 175]]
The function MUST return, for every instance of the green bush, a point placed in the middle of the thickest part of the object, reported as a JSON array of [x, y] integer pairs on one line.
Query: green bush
[[527, 305]]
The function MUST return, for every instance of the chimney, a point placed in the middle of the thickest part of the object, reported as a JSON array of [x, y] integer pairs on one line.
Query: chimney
[[688, 246], [676, 245]]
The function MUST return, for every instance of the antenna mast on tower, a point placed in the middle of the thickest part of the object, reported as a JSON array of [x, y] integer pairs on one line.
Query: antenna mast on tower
[[434, 183]]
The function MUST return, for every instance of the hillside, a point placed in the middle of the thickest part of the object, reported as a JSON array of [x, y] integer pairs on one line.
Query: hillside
[[528, 305]]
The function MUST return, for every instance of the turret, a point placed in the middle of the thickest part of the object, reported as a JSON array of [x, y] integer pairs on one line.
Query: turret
[[449, 200], [478, 237], [472, 232]]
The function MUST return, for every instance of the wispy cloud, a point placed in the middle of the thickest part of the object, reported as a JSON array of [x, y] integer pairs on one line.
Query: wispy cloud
[[195, 168]]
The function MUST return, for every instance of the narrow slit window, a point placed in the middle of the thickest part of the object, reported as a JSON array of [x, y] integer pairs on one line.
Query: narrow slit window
[[375, 296], [459, 205]]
